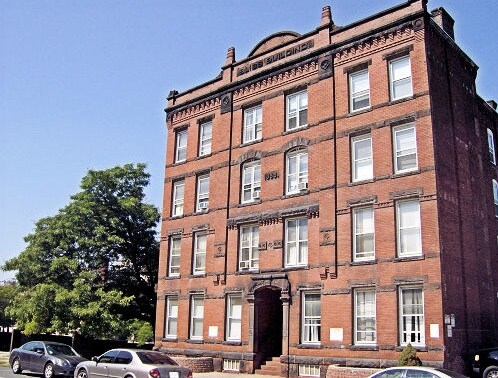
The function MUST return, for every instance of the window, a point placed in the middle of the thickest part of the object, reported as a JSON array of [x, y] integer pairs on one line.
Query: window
[[307, 370], [405, 149], [297, 110], [311, 321], [171, 317], [412, 316], [400, 78], [253, 119], [178, 193], [174, 256], [491, 147], [205, 137], [364, 317], [196, 317], [200, 242], [361, 151], [181, 146], [359, 90], [495, 196], [296, 242], [234, 316], [249, 253], [231, 365], [251, 182], [124, 357], [297, 171], [364, 234], [202, 193], [408, 228]]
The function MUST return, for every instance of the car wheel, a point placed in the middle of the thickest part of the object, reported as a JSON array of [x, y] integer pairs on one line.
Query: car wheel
[[82, 374], [490, 372], [16, 366], [48, 371]]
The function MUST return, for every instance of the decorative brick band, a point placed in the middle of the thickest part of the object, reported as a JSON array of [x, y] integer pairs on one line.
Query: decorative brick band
[[196, 364]]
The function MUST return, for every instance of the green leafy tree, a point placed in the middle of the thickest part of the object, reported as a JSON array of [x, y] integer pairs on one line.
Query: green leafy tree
[[92, 267], [7, 294]]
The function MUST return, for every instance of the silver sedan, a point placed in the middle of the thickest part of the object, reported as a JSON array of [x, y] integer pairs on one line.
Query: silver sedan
[[131, 363]]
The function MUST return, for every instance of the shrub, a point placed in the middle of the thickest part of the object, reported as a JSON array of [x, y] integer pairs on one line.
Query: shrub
[[408, 357]]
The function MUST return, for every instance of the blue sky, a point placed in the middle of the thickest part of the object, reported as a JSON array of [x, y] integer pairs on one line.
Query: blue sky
[[83, 84]]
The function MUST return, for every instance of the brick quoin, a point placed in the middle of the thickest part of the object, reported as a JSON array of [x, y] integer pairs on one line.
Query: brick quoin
[[451, 183]]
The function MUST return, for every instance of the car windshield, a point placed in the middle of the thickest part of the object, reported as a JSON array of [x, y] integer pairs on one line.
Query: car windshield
[[60, 349], [453, 374], [155, 358]]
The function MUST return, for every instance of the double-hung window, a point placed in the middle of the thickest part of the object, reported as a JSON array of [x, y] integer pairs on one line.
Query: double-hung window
[[364, 234], [411, 316], [234, 317], [297, 110], [181, 146], [311, 318], [409, 238], [296, 171], [365, 328], [205, 137], [495, 196], [491, 146], [400, 78], [251, 182], [171, 330], [200, 244], [359, 91], [405, 148], [249, 253], [362, 158], [178, 194], [174, 256], [296, 242], [202, 193], [196, 317], [253, 121]]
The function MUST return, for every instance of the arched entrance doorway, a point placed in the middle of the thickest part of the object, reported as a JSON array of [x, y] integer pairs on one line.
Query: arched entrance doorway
[[267, 323], [268, 297]]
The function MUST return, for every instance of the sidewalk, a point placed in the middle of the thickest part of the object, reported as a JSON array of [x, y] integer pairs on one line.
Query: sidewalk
[[215, 374]]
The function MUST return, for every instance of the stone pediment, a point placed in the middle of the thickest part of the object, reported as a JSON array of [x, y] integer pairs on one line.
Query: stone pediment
[[273, 41]]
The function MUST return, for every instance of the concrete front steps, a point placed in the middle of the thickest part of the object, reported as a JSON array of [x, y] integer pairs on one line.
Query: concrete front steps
[[271, 367]]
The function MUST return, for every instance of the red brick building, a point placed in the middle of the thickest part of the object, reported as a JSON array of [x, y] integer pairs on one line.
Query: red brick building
[[331, 198]]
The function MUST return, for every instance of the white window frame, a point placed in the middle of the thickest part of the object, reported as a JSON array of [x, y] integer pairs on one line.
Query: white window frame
[[363, 230], [300, 176], [234, 317], [181, 146], [402, 151], [299, 244], [362, 167], [300, 113], [252, 187], [397, 82], [310, 324], [356, 93], [199, 260], [361, 312], [249, 247], [202, 197], [174, 256], [491, 146], [411, 318], [308, 370], [413, 227], [178, 198], [495, 196], [253, 124], [205, 138], [196, 315], [171, 317]]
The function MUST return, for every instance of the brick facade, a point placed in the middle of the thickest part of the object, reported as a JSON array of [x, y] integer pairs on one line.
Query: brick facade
[[424, 196]]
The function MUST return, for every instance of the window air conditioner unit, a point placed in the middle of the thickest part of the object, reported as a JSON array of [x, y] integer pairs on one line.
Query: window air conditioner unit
[[302, 185], [203, 205], [256, 194], [244, 265]]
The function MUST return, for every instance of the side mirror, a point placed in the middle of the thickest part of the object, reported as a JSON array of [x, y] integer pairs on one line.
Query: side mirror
[[40, 351], [95, 358]]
